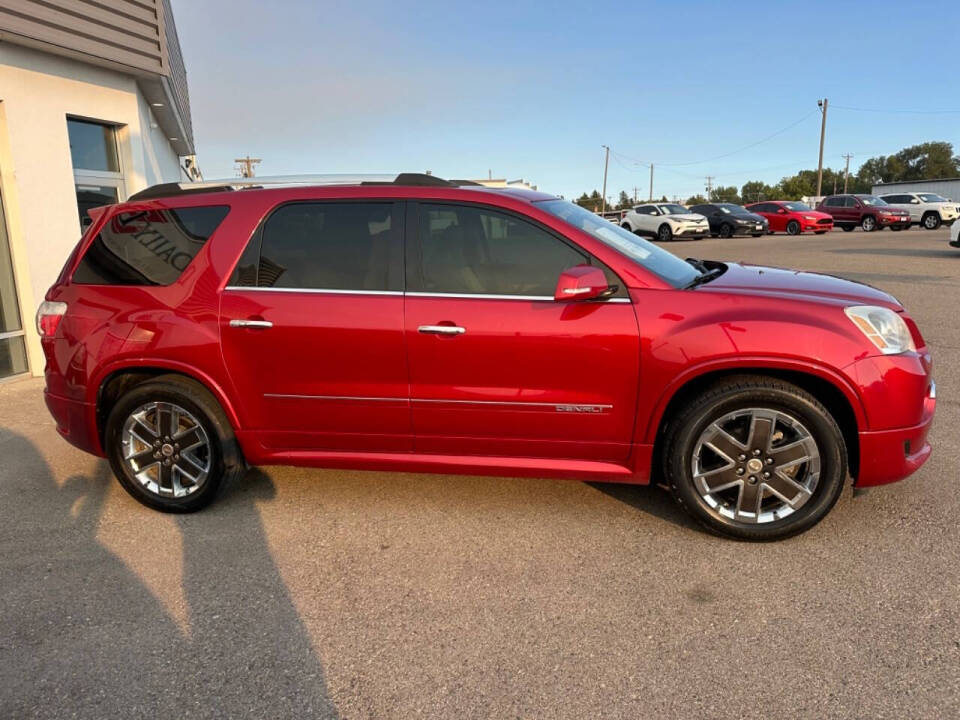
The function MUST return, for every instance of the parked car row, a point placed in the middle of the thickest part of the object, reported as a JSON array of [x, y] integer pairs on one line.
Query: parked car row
[[664, 221]]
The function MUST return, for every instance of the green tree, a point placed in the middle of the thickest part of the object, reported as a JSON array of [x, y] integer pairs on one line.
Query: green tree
[[756, 190], [726, 194], [625, 202], [695, 200]]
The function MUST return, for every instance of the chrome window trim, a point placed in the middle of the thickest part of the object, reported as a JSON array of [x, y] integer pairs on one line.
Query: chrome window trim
[[464, 296], [327, 291]]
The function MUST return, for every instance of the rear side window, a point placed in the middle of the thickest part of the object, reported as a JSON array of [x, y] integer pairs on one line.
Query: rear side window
[[476, 251], [326, 246], [148, 247]]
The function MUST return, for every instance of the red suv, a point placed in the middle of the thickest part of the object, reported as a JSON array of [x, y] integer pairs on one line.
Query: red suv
[[428, 326], [792, 217], [868, 211]]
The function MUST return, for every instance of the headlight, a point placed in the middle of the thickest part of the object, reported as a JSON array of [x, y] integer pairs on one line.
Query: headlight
[[809, 217], [883, 327]]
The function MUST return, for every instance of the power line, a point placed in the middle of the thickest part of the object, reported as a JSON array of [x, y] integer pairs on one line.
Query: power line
[[897, 110]]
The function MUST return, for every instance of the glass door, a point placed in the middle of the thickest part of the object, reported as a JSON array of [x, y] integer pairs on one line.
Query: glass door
[[13, 352]]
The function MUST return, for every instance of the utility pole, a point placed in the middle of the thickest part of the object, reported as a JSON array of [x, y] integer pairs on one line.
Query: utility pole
[[245, 166], [606, 163], [846, 172], [822, 104], [709, 187], [635, 189], [651, 182]]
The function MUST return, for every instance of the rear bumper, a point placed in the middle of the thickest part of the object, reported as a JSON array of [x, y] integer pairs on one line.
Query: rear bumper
[[76, 422], [887, 456]]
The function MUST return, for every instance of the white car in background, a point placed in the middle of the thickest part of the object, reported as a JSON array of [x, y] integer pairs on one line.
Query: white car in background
[[664, 220], [927, 209]]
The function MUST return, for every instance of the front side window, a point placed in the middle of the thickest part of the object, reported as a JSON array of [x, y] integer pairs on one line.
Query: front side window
[[96, 165], [661, 263], [149, 247], [932, 198], [478, 251], [326, 246], [797, 206], [871, 200]]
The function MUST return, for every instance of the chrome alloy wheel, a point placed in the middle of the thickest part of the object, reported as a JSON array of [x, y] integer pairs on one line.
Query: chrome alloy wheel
[[755, 465], [166, 449]]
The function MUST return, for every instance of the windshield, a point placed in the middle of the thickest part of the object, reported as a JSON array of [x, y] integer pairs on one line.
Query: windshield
[[661, 263], [931, 197], [797, 206], [673, 209], [731, 209], [871, 200]]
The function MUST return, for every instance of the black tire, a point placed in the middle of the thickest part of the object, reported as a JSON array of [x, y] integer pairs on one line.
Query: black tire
[[664, 233], [225, 459], [847, 228], [793, 228], [868, 223], [626, 226], [819, 232], [757, 234], [738, 393], [931, 220], [896, 228], [726, 230]]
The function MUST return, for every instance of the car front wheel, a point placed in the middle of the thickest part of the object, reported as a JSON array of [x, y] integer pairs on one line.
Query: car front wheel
[[793, 228], [869, 223], [664, 233], [755, 458], [170, 445], [931, 221]]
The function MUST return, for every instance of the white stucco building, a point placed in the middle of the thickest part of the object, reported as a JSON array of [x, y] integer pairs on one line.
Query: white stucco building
[[93, 107]]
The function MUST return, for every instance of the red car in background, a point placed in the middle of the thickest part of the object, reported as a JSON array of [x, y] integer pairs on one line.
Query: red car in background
[[792, 217]]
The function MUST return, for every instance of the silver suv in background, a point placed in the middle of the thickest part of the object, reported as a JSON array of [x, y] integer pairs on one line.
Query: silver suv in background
[[927, 209]]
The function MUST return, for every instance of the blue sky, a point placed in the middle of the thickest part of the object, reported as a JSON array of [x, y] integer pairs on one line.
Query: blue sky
[[533, 90]]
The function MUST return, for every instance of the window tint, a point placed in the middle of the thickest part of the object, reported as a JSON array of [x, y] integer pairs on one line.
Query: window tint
[[325, 246], [150, 247], [484, 252]]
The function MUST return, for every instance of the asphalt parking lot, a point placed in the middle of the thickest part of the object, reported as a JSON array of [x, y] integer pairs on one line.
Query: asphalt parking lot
[[308, 593]]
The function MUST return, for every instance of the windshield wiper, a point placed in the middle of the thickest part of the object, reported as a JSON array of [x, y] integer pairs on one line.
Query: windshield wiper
[[704, 277], [698, 264]]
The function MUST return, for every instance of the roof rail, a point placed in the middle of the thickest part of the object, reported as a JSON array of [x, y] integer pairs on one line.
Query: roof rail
[[226, 184]]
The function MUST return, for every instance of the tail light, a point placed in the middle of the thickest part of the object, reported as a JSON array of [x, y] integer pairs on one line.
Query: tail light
[[49, 316]]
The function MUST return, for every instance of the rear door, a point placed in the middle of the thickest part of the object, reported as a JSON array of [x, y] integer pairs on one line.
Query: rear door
[[312, 328], [497, 367]]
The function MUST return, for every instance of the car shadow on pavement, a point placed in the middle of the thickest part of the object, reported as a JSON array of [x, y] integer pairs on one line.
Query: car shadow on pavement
[[649, 499], [83, 635]]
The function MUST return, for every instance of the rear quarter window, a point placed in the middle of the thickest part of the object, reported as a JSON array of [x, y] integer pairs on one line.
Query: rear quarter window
[[148, 247]]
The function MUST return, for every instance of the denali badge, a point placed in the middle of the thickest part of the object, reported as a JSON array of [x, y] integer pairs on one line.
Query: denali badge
[[580, 408]]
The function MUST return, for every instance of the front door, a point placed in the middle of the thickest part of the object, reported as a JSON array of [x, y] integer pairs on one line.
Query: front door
[[497, 367], [312, 328]]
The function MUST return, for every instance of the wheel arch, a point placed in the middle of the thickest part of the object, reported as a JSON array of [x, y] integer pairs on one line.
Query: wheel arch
[[116, 380], [840, 399]]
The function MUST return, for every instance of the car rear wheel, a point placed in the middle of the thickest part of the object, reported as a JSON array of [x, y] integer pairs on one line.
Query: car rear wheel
[[171, 446], [726, 230], [793, 228], [755, 458], [931, 221], [869, 223], [664, 233], [847, 228]]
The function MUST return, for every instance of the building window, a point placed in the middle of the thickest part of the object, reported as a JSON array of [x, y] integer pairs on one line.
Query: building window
[[97, 173], [13, 353]]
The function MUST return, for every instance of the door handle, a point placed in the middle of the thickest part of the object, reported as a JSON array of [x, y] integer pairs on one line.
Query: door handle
[[251, 323], [441, 330]]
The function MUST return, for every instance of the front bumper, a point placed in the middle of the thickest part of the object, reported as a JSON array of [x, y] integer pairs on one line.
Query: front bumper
[[887, 221], [76, 422], [697, 231], [815, 226], [887, 456]]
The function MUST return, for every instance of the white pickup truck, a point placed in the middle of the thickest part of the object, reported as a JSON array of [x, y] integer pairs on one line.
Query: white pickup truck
[[927, 209]]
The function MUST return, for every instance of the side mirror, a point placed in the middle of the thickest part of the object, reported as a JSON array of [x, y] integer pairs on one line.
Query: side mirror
[[781, 211], [915, 201], [582, 282]]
